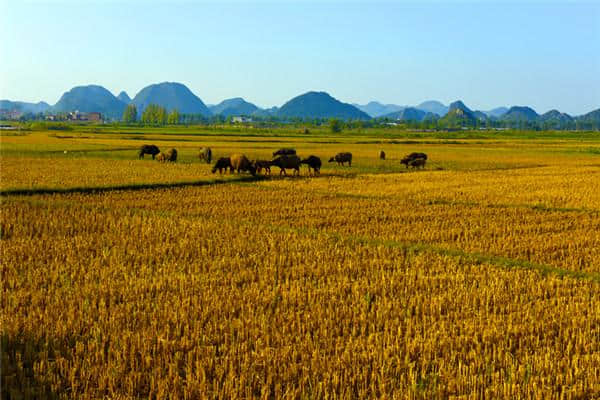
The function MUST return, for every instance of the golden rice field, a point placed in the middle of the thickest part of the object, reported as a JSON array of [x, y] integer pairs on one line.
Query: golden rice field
[[477, 278]]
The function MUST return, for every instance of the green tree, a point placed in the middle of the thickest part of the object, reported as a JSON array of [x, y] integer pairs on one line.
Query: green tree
[[173, 118], [154, 114], [335, 125], [130, 114]]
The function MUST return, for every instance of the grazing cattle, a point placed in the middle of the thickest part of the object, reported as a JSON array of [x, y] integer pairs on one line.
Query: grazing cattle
[[205, 154], [148, 149], [284, 152], [171, 155], [417, 155], [240, 162], [418, 162], [413, 156], [313, 163], [382, 155], [342, 158], [222, 163], [287, 162], [161, 157], [262, 164]]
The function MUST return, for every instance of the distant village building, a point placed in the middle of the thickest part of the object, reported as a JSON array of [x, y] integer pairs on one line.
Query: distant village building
[[80, 116], [10, 114], [241, 119], [94, 116]]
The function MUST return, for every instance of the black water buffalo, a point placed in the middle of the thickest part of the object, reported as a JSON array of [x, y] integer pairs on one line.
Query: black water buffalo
[[413, 156], [148, 149], [223, 163], [284, 152], [342, 158], [313, 163], [382, 155], [287, 162], [417, 163], [262, 164]]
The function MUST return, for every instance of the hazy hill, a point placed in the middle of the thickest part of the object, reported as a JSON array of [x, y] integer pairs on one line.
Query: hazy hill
[[556, 116], [407, 114], [591, 117], [235, 106], [24, 107], [480, 115], [90, 98], [520, 113], [459, 114], [170, 95], [496, 112], [433, 106], [376, 109], [124, 97], [320, 105]]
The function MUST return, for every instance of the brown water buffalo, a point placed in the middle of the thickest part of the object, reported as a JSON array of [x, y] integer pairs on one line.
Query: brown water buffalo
[[240, 162], [284, 152], [313, 163], [223, 163], [413, 156], [171, 155], [262, 164], [287, 162], [205, 154], [161, 157], [382, 155], [418, 163], [342, 158], [148, 149]]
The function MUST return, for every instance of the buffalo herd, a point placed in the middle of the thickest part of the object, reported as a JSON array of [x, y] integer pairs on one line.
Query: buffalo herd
[[285, 159]]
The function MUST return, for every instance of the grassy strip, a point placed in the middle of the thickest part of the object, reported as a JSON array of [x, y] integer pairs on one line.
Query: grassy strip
[[473, 257], [132, 186]]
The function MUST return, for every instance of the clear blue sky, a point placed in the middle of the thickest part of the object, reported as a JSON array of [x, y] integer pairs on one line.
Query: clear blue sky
[[542, 54]]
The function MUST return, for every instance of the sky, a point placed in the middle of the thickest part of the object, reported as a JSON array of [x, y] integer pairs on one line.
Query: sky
[[488, 54]]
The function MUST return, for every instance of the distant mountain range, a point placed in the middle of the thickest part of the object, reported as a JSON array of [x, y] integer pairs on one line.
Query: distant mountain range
[[312, 105], [24, 107], [407, 114], [320, 105], [434, 107], [88, 99], [519, 113], [124, 97], [376, 109], [232, 107], [170, 95]]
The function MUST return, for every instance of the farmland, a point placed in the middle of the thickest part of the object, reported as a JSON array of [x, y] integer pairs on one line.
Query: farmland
[[477, 277]]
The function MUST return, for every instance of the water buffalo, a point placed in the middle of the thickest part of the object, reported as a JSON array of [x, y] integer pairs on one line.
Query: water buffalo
[[240, 162], [161, 157], [413, 156], [148, 149], [205, 154], [342, 158], [222, 163], [382, 155], [418, 162], [287, 162], [171, 155], [262, 164], [284, 152], [313, 163]]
